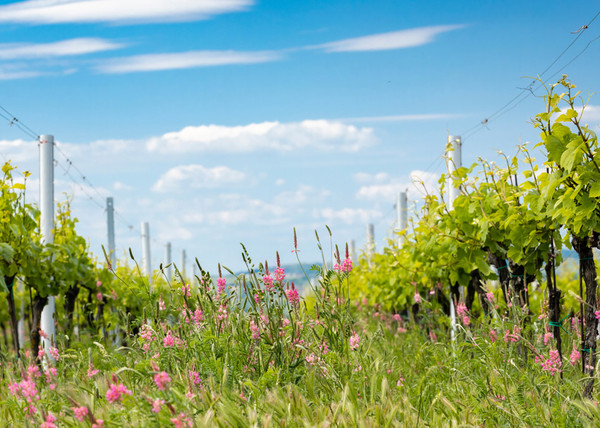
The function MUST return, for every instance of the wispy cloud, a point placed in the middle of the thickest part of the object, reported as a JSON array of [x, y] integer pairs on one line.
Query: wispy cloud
[[308, 134], [181, 60], [184, 178], [8, 74], [387, 41], [401, 118], [117, 11], [69, 47], [381, 186]]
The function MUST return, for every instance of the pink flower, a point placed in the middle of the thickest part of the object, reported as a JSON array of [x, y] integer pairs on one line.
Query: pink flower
[[43, 333], [98, 423], [198, 317], [347, 265], [397, 317], [161, 380], [221, 284], [157, 404], [194, 377], [493, 335], [400, 382], [552, 364], [547, 338], [161, 304], [80, 413], [255, 330], [461, 309], [597, 313], [466, 320], [98, 283], [575, 356], [490, 297], [49, 422], [354, 341], [417, 298], [169, 341], [99, 296], [92, 371], [292, 295], [54, 353], [268, 281], [185, 289], [279, 274], [116, 392], [181, 421]]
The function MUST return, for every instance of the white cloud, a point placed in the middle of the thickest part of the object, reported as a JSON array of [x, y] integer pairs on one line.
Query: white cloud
[[69, 47], [183, 60], [18, 74], [19, 151], [187, 177], [116, 11], [117, 185], [313, 134], [280, 182], [348, 215], [301, 195], [590, 114], [401, 118], [388, 41], [382, 187]]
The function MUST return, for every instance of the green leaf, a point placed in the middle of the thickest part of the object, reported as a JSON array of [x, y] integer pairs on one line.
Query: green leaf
[[6, 252], [595, 190]]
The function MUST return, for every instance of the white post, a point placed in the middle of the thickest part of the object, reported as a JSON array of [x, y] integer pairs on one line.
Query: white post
[[110, 223], [454, 161], [21, 324], [47, 227], [401, 208], [183, 262], [353, 251], [370, 240], [146, 260], [168, 261]]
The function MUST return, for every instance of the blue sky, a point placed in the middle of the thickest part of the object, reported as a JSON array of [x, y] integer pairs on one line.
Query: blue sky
[[228, 121]]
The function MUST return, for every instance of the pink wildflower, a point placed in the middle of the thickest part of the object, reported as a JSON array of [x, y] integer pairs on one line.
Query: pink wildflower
[[466, 320], [161, 304], [255, 330], [400, 382], [292, 295], [575, 356], [552, 364], [547, 338], [490, 296], [49, 422], [98, 423], [169, 341], [185, 289], [53, 351], [198, 317], [157, 404], [43, 333], [597, 313], [347, 265], [397, 317], [80, 413], [461, 309], [194, 377], [92, 371], [417, 298], [99, 296], [222, 313], [279, 274], [161, 380], [354, 341], [181, 421], [493, 335], [98, 283], [221, 284], [268, 281], [116, 392]]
